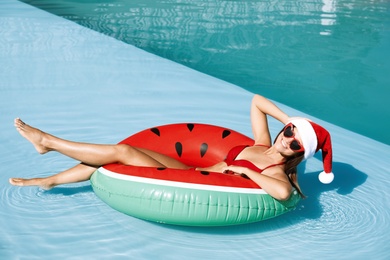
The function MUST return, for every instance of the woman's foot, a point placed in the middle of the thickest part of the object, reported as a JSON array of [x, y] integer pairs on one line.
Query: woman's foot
[[43, 183], [32, 134]]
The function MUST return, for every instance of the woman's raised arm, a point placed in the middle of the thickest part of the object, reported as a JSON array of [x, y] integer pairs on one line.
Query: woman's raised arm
[[260, 108]]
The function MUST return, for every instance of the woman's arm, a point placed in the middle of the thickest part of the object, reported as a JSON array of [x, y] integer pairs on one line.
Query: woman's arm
[[260, 108], [278, 187], [214, 168]]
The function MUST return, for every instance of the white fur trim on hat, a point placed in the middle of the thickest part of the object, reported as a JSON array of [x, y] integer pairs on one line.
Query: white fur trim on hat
[[308, 136]]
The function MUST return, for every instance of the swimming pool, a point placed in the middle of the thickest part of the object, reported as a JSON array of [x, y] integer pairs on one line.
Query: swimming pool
[[84, 86], [324, 57]]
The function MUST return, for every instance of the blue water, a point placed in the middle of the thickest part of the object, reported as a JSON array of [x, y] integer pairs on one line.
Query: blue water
[[82, 85], [328, 58]]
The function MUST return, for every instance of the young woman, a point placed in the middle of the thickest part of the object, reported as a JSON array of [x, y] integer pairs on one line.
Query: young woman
[[272, 166]]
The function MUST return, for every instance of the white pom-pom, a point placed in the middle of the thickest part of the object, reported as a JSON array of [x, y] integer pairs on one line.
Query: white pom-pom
[[326, 178]]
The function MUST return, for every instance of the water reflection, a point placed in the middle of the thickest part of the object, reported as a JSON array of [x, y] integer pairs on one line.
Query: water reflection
[[328, 17]]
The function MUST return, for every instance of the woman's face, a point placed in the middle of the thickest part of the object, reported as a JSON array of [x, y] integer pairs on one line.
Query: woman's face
[[289, 141]]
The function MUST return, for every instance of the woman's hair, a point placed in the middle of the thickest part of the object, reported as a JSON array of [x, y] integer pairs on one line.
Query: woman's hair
[[292, 172], [291, 166]]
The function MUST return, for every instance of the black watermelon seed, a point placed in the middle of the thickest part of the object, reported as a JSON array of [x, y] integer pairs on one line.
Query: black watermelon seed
[[190, 127], [203, 149], [155, 131], [161, 168], [179, 148], [204, 172], [225, 133], [244, 176]]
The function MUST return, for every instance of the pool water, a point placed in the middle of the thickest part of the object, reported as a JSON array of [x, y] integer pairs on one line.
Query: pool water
[[82, 85], [328, 58]]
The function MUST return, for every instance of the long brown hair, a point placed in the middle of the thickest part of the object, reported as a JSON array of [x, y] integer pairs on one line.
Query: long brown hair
[[290, 168]]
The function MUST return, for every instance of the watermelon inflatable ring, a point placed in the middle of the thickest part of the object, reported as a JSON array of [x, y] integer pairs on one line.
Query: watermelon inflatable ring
[[187, 197]]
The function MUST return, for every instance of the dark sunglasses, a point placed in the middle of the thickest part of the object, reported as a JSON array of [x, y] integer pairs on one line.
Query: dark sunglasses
[[295, 145]]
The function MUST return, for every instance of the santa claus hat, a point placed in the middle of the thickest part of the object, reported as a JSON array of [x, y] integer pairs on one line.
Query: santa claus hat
[[314, 137]]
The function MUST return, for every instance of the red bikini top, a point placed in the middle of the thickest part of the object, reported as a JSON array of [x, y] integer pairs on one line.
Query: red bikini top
[[235, 151]]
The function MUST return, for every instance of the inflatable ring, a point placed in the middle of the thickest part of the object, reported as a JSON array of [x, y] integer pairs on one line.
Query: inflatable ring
[[187, 197]]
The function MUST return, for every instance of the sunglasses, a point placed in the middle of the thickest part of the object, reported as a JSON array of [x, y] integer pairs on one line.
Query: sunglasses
[[295, 145]]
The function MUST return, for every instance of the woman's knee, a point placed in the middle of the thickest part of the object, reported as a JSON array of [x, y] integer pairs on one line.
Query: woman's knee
[[127, 154], [130, 155], [124, 150]]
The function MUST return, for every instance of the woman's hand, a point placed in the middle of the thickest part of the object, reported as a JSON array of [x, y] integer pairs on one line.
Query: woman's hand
[[295, 118], [236, 170], [219, 167]]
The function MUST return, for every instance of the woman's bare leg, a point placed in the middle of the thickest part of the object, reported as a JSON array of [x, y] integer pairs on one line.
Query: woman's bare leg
[[95, 154], [78, 173], [92, 156]]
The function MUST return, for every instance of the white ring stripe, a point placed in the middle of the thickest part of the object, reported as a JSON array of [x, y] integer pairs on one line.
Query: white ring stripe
[[179, 184]]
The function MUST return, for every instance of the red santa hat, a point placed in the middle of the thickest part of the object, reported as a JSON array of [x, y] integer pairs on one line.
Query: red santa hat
[[314, 137]]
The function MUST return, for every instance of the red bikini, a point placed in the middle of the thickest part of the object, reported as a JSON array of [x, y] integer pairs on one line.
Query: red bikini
[[235, 151]]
